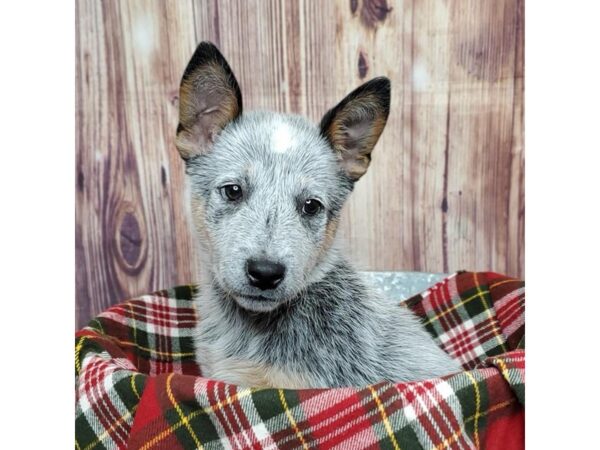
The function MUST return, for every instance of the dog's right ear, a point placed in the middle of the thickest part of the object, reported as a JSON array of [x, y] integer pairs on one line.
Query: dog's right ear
[[209, 98]]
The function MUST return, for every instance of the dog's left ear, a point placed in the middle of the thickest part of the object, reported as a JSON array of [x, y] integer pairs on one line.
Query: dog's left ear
[[209, 98], [355, 124]]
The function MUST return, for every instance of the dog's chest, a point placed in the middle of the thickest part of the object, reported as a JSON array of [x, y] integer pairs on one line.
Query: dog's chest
[[297, 351], [246, 362]]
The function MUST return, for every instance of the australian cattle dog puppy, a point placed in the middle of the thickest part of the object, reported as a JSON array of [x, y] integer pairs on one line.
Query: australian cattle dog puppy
[[279, 305]]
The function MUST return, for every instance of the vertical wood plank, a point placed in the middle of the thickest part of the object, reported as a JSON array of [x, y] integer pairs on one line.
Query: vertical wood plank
[[483, 120], [515, 236], [131, 233]]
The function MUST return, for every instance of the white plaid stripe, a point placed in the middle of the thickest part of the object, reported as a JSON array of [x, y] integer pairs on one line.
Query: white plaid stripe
[[258, 427], [83, 403], [124, 363], [441, 392], [219, 419], [96, 392], [239, 440], [314, 405], [448, 283], [258, 431], [513, 312], [349, 425], [362, 439], [217, 445], [151, 300], [461, 381], [161, 333], [420, 409], [149, 328], [449, 398], [468, 337], [512, 295], [330, 399], [515, 324], [262, 435], [218, 416]]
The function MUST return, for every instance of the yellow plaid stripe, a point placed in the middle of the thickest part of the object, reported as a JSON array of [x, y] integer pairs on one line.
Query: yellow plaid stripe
[[291, 419], [500, 283], [150, 350], [159, 437], [477, 407], [386, 422], [449, 440], [184, 419], [478, 414], [491, 409], [77, 351], [503, 368], [446, 442], [107, 432], [157, 352], [453, 307], [133, 388], [498, 333], [133, 322]]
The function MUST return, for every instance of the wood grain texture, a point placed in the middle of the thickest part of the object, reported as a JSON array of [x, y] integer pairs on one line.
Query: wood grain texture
[[445, 187]]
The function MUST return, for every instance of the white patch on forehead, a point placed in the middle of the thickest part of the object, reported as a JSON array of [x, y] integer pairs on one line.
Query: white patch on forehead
[[281, 139]]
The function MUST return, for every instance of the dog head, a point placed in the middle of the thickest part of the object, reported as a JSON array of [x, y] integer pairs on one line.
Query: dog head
[[267, 188]]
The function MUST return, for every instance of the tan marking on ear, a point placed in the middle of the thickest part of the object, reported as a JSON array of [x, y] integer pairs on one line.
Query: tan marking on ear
[[356, 161], [207, 103], [186, 144]]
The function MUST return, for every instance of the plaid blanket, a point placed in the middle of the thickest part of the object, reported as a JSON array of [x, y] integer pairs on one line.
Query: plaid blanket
[[138, 386]]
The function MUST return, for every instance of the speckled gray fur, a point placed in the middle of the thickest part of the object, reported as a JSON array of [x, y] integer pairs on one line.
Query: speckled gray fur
[[322, 326]]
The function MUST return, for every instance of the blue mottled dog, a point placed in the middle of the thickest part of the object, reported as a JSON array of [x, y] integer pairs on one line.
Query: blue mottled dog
[[279, 304]]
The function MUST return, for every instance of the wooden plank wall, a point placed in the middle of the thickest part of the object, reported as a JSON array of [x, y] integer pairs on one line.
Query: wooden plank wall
[[444, 191]]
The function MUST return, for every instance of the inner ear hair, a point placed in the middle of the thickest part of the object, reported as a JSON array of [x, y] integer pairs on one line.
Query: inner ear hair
[[209, 98], [355, 124]]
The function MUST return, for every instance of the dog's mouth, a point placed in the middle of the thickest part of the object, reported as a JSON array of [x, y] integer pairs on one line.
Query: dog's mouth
[[257, 303]]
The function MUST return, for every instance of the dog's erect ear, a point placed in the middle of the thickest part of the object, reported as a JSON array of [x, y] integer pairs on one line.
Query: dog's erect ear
[[355, 124], [209, 98]]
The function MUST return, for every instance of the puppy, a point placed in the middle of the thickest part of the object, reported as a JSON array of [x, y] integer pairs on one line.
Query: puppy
[[279, 305]]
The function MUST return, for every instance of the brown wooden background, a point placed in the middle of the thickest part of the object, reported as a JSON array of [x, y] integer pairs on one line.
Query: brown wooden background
[[444, 191]]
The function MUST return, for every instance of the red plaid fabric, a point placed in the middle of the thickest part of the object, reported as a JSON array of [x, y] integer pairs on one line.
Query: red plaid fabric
[[139, 387], [473, 315]]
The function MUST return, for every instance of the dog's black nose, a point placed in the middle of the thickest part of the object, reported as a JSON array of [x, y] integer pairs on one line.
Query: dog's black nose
[[264, 274]]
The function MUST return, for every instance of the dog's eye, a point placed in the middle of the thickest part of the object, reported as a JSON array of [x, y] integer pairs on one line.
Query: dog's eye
[[311, 207], [233, 192]]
